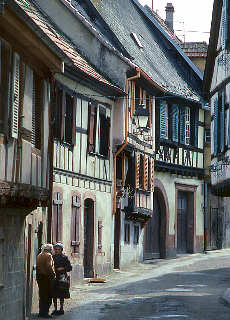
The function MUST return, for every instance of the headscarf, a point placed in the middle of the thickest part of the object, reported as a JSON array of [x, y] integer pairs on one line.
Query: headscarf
[[47, 247], [60, 245]]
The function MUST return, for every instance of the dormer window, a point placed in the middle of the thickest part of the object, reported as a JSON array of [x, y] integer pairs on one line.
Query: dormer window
[[135, 38]]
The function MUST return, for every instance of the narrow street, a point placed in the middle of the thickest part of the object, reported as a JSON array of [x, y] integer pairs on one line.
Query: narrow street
[[188, 287]]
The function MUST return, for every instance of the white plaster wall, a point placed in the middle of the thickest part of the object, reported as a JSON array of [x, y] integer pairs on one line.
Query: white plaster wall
[[168, 181]]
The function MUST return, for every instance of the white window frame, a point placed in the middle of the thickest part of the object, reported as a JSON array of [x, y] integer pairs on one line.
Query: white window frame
[[187, 125]]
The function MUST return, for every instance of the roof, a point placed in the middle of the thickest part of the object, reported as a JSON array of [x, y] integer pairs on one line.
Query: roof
[[163, 24], [160, 53], [212, 47], [195, 49], [62, 43]]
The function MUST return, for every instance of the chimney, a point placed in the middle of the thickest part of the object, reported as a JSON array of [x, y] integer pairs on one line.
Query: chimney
[[169, 9]]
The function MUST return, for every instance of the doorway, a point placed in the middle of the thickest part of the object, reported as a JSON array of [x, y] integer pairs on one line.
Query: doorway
[[117, 236], [89, 238], [182, 222]]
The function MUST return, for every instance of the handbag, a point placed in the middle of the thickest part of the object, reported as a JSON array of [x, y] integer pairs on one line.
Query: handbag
[[64, 282]]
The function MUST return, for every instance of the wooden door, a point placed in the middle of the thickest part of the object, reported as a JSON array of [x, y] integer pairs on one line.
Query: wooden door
[[182, 222], [117, 235], [153, 229], [89, 238]]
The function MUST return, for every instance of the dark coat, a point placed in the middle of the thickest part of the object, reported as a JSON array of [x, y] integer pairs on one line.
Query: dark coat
[[61, 261]]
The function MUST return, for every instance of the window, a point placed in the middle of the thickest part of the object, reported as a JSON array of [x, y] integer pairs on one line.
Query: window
[[219, 123], [65, 117], [104, 133], [98, 130], [174, 122], [163, 120], [224, 25], [100, 227], [37, 112], [127, 233], [136, 39], [187, 125], [141, 173], [1, 258], [136, 235], [5, 79], [57, 217], [75, 224], [207, 136]]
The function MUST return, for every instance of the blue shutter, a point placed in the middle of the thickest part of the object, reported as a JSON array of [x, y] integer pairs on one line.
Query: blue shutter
[[215, 127], [163, 120], [222, 123], [182, 125], [196, 127], [224, 23], [228, 126], [175, 121]]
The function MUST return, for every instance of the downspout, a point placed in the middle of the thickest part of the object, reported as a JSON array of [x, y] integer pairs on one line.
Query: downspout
[[138, 75], [51, 154]]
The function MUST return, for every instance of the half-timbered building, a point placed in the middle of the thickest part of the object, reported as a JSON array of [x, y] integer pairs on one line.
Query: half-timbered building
[[27, 65], [216, 91], [177, 221]]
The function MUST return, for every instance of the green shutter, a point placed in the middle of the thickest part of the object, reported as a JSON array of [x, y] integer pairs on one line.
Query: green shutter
[[224, 23], [182, 125], [163, 120], [175, 121], [215, 140], [222, 124]]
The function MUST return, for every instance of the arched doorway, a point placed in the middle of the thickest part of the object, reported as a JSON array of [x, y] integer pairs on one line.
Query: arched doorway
[[156, 228], [88, 238]]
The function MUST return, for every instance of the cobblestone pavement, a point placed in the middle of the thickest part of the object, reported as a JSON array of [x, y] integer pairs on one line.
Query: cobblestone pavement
[[188, 287]]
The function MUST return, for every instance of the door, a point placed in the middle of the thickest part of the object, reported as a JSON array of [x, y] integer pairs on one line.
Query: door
[[182, 222], [152, 233], [88, 238], [117, 234]]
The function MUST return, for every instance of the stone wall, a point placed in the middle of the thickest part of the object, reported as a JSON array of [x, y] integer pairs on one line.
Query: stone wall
[[12, 279]]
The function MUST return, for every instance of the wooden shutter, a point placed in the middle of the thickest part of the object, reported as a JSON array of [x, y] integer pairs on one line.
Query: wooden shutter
[[222, 124], [182, 125], [215, 126], [100, 227], [5, 85], [141, 172], [91, 127], [163, 120], [15, 96], [33, 137], [146, 167], [63, 114], [75, 225], [74, 121], [57, 217], [174, 122], [137, 170], [228, 132], [151, 173], [224, 23]]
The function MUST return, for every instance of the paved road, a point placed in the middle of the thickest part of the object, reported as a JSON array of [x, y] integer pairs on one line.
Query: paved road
[[185, 288]]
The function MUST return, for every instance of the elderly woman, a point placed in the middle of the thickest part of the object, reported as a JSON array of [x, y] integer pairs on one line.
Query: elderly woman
[[61, 284]]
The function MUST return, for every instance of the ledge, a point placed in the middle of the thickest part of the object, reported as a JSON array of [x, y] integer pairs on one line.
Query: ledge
[[21, 195]]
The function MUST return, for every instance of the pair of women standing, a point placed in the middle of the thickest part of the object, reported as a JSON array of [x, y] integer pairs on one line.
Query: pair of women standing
[[60, 287]]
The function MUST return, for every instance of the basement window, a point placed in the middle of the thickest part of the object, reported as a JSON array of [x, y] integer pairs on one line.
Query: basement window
[[135, 38]]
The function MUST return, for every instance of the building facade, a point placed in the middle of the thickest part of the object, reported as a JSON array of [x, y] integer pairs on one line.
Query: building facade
[[216, 91], [26, 65]]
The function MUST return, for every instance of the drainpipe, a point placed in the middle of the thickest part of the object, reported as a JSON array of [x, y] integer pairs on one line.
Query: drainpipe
[[138, 75]]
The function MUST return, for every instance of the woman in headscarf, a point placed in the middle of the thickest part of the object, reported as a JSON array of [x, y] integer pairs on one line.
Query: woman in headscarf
[[62, 265]]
